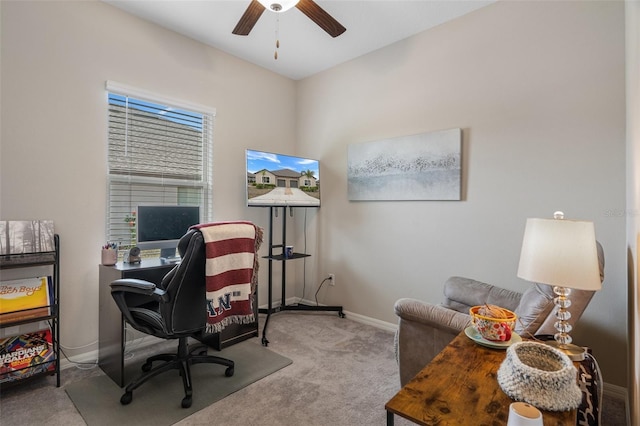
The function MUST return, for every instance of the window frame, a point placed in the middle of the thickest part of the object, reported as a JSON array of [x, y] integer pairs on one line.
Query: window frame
[[204, 184]]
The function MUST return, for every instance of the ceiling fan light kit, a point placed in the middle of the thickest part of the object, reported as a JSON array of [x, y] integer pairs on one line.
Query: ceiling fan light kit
[[278, 6]]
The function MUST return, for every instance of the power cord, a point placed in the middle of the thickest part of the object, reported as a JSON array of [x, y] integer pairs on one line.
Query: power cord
[[129, 346], [80, 365], [318, 290], [128, 354]]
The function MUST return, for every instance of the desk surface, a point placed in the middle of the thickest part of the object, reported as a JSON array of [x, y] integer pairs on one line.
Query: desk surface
[[460, 386], [146, 263]]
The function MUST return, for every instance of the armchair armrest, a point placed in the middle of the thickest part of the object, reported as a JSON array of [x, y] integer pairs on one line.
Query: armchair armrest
[[424, 329], [436, 316]]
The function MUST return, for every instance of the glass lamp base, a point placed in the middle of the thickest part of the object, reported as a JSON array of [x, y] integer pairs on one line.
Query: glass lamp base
[[574, 352]]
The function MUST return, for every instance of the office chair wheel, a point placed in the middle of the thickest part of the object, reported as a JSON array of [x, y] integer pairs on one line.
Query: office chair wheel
[[146, 366], [229, 371], [126, 398], [186, 402]]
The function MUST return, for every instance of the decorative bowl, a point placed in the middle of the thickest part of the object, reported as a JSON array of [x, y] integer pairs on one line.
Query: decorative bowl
[[493, 328]]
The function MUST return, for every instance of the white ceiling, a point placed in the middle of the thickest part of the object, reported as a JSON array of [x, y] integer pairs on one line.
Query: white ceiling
[[305, 48]]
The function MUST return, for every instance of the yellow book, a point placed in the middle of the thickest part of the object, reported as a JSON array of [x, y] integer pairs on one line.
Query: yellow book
[[24, 299]]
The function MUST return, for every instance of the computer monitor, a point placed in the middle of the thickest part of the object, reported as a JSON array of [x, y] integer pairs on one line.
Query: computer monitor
[[161, 227]]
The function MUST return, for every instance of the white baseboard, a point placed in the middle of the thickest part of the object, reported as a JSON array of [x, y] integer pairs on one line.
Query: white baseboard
[[85, 359], [383, 325]]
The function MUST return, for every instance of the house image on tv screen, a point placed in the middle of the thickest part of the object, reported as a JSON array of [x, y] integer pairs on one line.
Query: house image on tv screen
[[282, 180]]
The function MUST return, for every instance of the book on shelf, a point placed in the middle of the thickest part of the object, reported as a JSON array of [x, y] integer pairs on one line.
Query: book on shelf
[[25, 355], [24, 299]]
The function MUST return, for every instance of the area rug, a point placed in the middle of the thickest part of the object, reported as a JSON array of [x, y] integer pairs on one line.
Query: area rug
[[157, 402]]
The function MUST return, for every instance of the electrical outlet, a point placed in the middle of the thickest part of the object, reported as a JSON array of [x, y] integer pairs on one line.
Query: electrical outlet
[[332, 279]]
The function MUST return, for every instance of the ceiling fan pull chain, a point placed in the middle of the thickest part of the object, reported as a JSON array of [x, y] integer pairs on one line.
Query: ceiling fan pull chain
[[275, 55]]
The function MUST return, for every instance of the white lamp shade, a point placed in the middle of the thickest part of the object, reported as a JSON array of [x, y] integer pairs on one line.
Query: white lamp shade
[[560, 252]]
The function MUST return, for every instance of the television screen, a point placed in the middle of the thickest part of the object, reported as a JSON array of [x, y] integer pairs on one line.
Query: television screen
[[161, 227], [282, 180]]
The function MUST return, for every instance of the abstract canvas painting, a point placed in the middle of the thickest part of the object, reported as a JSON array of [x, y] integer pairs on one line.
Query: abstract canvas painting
[[426, 166]]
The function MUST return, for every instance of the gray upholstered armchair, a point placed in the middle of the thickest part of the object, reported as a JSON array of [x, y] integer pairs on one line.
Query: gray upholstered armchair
[[424, 329]]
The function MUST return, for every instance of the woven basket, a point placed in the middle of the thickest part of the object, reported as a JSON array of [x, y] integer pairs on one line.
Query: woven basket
[[541, 376]]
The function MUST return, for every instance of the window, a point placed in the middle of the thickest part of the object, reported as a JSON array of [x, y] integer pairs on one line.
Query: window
[[159, 153], [265, 179]]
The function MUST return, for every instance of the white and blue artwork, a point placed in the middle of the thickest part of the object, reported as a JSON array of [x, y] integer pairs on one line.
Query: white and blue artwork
[[417, 167]]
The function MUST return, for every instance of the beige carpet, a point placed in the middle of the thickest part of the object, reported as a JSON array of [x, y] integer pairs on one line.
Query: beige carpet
[[343, 373]]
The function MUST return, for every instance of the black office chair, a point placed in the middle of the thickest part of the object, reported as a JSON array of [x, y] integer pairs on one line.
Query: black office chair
[[175, 309]]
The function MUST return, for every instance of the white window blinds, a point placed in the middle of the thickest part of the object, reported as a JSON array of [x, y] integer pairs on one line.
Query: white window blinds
[[159, 153]]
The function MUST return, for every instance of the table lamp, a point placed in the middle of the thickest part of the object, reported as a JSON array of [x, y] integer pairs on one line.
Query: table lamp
[[561, 253]]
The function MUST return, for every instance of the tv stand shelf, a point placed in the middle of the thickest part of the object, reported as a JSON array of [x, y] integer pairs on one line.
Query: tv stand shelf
[[282, 258]]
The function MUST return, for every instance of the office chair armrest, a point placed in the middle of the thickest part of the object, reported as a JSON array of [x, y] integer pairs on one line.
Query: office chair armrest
[[132, 285]]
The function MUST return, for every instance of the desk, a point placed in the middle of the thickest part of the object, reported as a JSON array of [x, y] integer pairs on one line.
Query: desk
[[460, 387], [111, 344]]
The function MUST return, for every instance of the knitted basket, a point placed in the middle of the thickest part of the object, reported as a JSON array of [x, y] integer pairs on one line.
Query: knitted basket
[[541, 376]]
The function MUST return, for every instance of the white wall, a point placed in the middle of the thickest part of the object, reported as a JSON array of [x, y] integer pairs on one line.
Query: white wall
[[56, 57], [538, 89], [632, 14]]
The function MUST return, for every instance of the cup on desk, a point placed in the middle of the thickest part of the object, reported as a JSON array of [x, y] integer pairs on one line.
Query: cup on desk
[[523, 414], [109, 256], [288, 252]]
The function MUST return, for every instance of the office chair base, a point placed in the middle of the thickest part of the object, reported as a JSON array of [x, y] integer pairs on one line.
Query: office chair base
[[182, 361]]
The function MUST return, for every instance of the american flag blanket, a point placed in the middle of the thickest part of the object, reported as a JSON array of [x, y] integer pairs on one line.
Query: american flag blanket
[[231, 272]]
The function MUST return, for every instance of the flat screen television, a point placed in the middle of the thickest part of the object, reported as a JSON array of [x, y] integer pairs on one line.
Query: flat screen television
[[282, 180], [161, 227]]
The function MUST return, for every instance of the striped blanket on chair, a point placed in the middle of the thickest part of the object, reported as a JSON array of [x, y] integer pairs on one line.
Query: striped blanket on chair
[[231, 272]]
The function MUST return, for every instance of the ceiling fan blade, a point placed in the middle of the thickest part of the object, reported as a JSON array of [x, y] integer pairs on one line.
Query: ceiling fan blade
[[320, 17], [249, 18]]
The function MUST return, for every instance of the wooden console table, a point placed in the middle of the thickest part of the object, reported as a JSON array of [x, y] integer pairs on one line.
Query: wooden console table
[[460, 387]]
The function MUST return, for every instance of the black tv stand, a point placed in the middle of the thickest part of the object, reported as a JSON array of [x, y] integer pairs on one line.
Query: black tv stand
[[281, 257]]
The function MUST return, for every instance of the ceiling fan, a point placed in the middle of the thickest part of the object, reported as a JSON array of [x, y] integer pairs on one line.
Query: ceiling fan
[[308, 7]]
